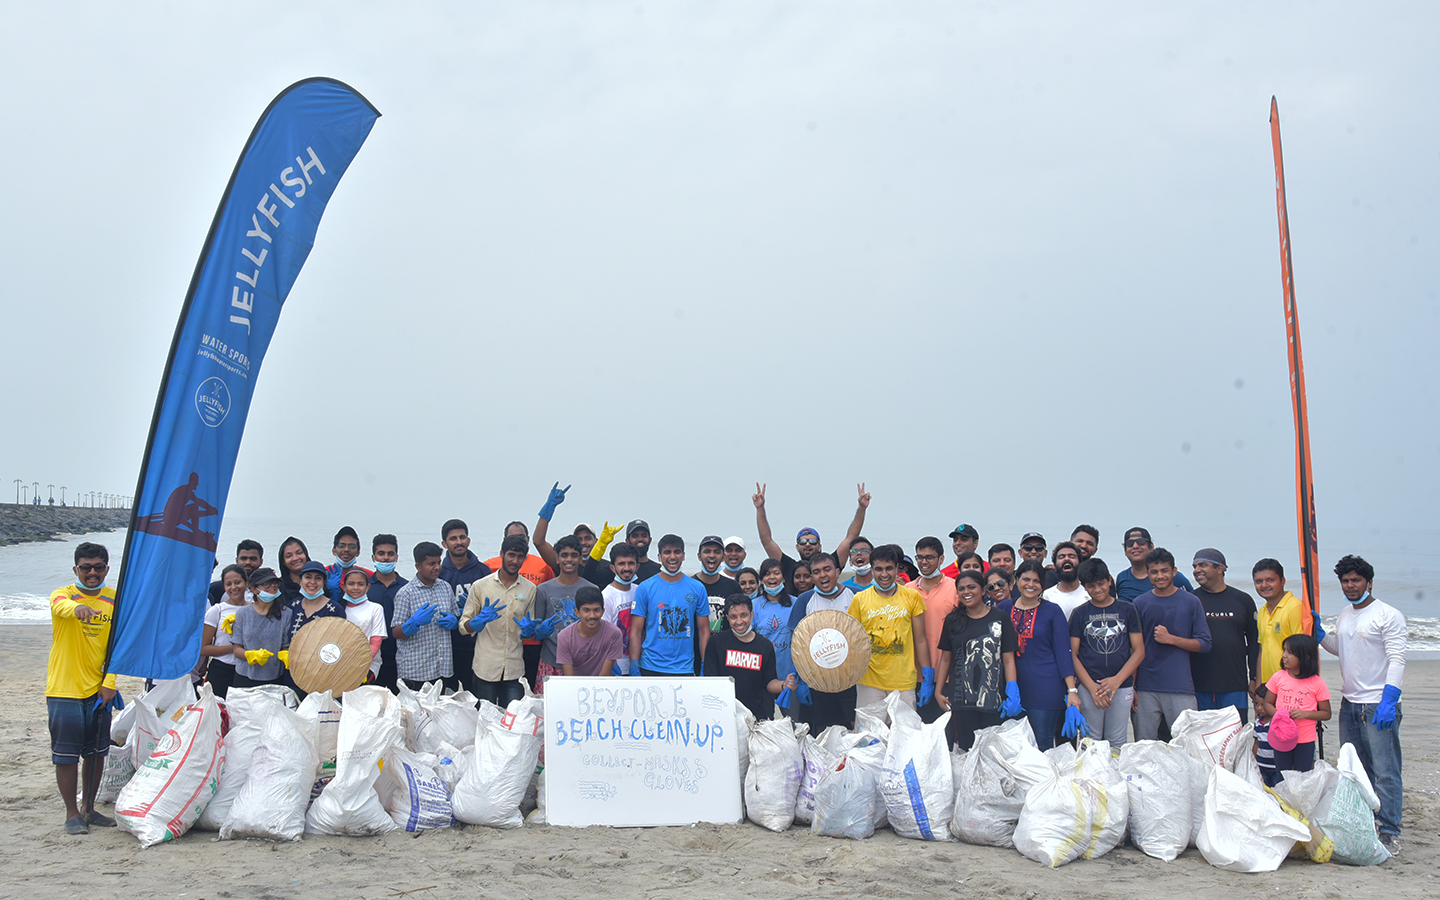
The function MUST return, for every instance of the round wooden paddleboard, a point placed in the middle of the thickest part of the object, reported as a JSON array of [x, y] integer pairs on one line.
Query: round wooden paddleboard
[[831, 650], [330, 654]]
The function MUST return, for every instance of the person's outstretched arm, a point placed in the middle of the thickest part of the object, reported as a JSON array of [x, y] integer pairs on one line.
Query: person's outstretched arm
[[856, 525], [762, 524]]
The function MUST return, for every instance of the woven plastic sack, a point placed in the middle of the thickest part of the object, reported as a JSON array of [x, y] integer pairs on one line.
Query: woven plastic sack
[[1245, 829], [272, 803], [417, 798], [1157, 778], [349, 803], [1000, 768], [505, 754], [247, 708], [177, 778], [773, 780], [918, 783]]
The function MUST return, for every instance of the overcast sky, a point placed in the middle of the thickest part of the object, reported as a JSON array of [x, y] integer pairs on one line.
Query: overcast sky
[[998, 264]]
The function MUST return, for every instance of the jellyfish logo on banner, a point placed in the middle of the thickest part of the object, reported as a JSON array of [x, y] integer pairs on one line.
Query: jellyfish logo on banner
[[260, 237]]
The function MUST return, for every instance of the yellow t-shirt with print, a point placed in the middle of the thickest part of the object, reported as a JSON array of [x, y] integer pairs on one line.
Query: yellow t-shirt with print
[[892, 637], [77, 649], [1289, 618]]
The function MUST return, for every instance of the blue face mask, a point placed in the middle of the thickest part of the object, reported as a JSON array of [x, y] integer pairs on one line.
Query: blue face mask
[[1363, 597], [619, 580], [340, 563], [385, 568], [269, 596], [94, 590], [772, 591], [309, 596], [753, 595], [832, 592], [732, 569]]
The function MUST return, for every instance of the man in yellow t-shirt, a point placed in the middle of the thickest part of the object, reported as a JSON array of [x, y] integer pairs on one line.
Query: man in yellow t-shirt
[[894, 617], [1281, 615], [78, 694]]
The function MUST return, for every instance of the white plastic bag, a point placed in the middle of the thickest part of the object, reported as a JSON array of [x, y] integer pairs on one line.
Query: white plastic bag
[[773, 780], [537, 817], [418, 797], [450, 765], [349, 804], [1157, 779], [176, 778], [1245, 830], [744, 724], [451, 720], [875, 719], [246, 708], [918, 783], [271, 805], [1080, 813], [505, 755], [156, 711], [845, 797], [819, 753], [1211, 736], [119, 767], [1337, 801], [324, 709], [1000, 768]]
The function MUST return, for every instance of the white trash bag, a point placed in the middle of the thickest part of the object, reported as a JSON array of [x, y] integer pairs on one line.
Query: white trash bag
[[1000, 768], [1157, 780], [1245, 829], [418, 799], [271, 805], [918, 782], [1080, 813], [324, 709], [1211, 736], [247, 708], [772, 782], [451, 720], [819, 753], [176, 778], [349, 803], [505, 755], [1337, 801], [845, 797], [119, 769]]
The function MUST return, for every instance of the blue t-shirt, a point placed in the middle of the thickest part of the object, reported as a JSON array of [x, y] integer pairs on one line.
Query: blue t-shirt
[[670, 611], [1128, 587], [1166, 668], [773, 621]]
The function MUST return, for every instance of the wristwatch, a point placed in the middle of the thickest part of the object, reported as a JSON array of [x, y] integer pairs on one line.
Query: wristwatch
[[1072, 690]]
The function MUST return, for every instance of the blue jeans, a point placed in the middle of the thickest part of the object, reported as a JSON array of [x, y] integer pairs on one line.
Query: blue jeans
[[1046, 725], [499, 693], [1238, 699], [1379, 753]]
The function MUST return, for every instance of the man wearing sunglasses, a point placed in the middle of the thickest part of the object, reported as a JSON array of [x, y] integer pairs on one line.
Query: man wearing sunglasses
[[78, 693], [807, 542], [1134, 581]]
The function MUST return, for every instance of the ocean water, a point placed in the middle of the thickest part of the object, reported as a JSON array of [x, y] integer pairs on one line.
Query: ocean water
[[1407, 564]]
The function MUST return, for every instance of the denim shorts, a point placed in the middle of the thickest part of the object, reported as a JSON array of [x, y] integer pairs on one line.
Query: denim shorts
[[77, 729]]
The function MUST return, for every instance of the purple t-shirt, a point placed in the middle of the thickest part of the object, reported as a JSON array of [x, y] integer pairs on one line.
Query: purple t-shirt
[[587, 655]]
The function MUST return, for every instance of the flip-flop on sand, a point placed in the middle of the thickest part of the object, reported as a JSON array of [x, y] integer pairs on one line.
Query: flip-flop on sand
[[77, 825]]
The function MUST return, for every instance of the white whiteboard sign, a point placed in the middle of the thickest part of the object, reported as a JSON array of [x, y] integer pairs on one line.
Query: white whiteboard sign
[[640, 751]]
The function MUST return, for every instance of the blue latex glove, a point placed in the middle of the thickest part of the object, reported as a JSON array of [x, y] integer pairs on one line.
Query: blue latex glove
[[1075, 724], [783, 701], [1319, 631], [527, 626], [332, 578], [489, 612], [615, 670], [1385, 711], [1010, 707], [448, 621], [116, 702], [635, 667], [927, 686], [543, 630], [802, 692], [557, 497], [422, 616]]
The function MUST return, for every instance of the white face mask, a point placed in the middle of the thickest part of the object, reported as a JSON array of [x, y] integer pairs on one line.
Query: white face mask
[[738, 633], [862, 571]]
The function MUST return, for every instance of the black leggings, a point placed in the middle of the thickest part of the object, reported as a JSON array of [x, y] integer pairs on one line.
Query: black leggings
[[220, 676], [965, 722], [1301, 759]]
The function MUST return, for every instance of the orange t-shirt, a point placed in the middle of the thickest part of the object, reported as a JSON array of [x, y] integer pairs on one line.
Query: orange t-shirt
[[939, 601]]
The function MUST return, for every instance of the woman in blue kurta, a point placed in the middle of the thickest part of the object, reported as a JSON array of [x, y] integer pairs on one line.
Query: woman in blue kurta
[[1043, 664]]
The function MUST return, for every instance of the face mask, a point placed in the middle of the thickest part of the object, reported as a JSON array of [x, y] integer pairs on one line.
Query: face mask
[[832, 592], [753, 595], [772, 591], [269, 596], [94, 590], [385, 568], [738, 633], [733, 570], [1363, 597], [309, 596], [707, 570], [884, 590], [340, 563], [619, 580], [862, 571], [670, 573]]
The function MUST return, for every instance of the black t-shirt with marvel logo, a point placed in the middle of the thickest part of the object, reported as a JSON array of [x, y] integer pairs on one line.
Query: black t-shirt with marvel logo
[[750, 663]]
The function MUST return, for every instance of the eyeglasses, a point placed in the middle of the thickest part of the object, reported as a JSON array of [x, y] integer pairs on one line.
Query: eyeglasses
[[995, 586], [100, 568], [1032, 548], [807, 542], [347, 546], [1137, 542], [926, 557]]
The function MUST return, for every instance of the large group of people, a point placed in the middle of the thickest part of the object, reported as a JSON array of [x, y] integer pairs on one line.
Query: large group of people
[[1049, 633]]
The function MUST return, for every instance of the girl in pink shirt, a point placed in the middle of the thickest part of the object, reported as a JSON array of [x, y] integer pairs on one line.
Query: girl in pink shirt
[[1298, 687]]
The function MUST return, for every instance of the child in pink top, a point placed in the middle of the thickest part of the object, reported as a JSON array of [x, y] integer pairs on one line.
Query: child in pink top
[[1298, 687]]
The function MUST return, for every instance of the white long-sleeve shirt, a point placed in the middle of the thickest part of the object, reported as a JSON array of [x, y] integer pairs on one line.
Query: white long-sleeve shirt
[[1371, 645]]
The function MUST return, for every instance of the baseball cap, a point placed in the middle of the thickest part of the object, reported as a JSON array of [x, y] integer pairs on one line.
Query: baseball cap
[[583, 526], [1211, 555], [1144, 533], [963, 530], [262, 575], [809, 531], [312, 566], [712, 539], [637, 523], [736, 540], [1033, 534], [1284, 733]]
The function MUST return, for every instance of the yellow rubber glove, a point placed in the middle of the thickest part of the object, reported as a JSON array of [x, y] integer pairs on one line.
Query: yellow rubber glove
[[284, 657], [607, 534], [258, 657], [227, 623]]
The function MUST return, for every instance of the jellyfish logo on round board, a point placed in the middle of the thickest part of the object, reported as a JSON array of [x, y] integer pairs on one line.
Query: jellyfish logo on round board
[[330, 654], [829, 648], [166, 745], [212, 401]]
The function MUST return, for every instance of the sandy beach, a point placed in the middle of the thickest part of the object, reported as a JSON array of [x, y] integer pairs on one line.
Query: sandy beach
[[703, 861]]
